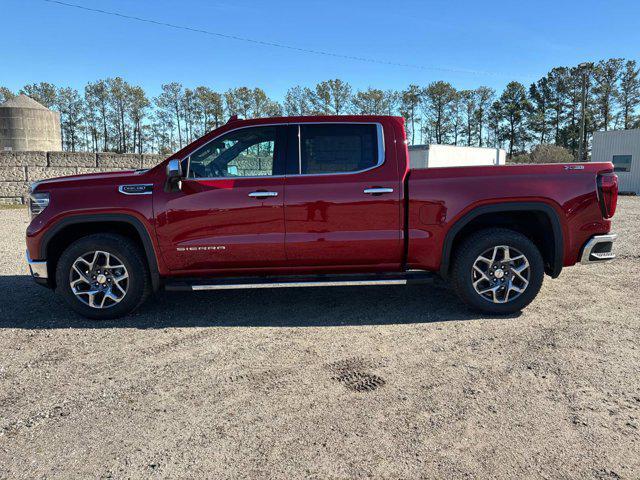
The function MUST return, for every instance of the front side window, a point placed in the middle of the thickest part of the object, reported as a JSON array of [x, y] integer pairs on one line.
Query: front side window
[[338, 148], [248, 152], [622, 163]]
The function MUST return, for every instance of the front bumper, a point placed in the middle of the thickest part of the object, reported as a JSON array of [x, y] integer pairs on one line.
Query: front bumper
[[598, 249], [38, 268]]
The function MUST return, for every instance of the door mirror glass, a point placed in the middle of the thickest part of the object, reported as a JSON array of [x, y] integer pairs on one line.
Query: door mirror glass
[[174, 170], [174, 176]]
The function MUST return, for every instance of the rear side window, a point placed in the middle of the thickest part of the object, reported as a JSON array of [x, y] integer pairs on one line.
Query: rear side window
[[338, 148]]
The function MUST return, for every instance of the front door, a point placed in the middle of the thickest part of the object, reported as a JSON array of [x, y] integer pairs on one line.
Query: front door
[[342, 197], [229, 213]]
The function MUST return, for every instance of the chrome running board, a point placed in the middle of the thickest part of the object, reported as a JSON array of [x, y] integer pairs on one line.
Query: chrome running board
[[299, 281]]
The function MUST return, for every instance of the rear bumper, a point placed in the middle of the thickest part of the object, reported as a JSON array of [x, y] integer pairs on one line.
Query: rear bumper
[[598, 248], [38, 268]]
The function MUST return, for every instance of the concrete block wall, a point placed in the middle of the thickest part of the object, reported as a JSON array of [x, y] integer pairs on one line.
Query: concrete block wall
[[18, 169], [252, 166]]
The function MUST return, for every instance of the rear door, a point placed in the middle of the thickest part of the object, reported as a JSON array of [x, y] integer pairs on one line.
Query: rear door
[[229, 213], [342, 197]]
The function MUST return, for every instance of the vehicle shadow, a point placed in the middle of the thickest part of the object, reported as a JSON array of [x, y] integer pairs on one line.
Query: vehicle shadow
[[25, 305]]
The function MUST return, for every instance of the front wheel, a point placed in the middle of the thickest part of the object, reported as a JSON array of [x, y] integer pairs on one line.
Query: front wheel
[[497, 270], [103, 276]]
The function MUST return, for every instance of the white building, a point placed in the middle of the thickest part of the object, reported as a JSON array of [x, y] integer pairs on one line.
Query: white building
[[431, 156], [622, 147]]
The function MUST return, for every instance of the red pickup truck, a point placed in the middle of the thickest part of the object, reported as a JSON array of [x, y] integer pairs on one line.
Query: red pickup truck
[[310, 201]]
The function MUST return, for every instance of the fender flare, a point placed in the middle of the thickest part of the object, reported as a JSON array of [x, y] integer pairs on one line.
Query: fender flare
[[549, 211], [145, 237]]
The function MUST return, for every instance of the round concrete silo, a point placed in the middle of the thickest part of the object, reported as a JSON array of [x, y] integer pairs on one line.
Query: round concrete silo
[[27, 125]]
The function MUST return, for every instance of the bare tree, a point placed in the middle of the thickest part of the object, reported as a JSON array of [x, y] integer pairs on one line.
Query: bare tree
[[513, 106], [211, 107], [368, 102], [539, 96], [43, 93], [297, 101], [170, 101], [96, 96], [438, 99], [410, 101], [138, 105], [628, 95], [239, 101], [469, 106], [392, 100], [5, 94], [485, 96], [331, 97], [606, 75], [70, 105]]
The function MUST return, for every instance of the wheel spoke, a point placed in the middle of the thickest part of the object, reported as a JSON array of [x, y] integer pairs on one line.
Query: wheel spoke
[[81, 274], [119, 278], [109, 294], [486, 260], [116, 284], [518, 272], [490, 289], [91, 295]]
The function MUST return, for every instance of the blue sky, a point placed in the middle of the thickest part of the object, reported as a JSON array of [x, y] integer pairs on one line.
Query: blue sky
[[468, 43]]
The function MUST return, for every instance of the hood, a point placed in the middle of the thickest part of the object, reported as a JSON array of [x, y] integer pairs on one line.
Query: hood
[[89, 179]]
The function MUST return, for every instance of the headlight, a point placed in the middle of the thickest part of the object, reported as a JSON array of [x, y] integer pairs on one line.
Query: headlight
[[37, 203]]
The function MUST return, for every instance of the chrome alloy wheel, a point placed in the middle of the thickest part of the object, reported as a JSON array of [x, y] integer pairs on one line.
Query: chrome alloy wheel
[[99, 279], [500, 274]]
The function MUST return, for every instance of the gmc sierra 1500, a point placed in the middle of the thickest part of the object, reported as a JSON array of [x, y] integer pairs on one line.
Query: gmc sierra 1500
[[306, 201]]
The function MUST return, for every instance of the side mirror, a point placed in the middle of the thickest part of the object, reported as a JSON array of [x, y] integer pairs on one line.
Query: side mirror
[[174, 169], [174, 176]]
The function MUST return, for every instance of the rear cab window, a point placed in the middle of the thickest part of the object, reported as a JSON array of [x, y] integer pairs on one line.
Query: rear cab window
[[335, 148]]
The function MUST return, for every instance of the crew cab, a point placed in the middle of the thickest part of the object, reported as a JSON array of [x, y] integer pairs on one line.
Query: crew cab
[[310, 201]]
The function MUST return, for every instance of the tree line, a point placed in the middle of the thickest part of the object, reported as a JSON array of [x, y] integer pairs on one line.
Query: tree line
[[113, 115]]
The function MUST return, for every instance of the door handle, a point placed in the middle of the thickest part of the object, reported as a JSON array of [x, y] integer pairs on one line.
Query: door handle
[[378, 190], [260, 194]]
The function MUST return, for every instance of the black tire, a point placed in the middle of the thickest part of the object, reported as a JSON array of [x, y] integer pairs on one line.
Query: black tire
[[471, 248], [138, 281]]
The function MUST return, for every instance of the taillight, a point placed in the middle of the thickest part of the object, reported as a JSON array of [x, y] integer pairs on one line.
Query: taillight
[[608, 193]]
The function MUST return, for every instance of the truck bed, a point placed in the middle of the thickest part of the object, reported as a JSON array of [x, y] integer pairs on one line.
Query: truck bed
[[440, 197]]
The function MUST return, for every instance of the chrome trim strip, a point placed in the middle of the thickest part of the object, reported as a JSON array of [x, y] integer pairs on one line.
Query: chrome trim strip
[[585, 259], [344, 283], [38, 268], [145, 185], [263, 194], [377, 191], [381, 151]]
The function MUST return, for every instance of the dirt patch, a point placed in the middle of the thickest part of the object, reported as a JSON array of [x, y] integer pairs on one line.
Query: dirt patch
[[366, 382]]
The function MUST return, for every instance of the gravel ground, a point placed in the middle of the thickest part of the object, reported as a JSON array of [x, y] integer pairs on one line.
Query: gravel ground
[[383, 382]]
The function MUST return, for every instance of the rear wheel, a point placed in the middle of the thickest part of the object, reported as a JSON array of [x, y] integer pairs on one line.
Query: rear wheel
[[497, 271], [103, 276]]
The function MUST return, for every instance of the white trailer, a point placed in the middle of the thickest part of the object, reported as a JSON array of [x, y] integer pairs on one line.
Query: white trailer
[[434, 156]]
